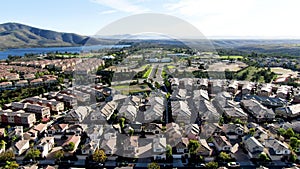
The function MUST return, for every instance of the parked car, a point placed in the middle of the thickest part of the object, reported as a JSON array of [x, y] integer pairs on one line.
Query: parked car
[[233, 164]]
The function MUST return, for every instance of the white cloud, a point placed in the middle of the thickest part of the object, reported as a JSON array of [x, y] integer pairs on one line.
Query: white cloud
[[240, 18], [108, 12], [122, 5]]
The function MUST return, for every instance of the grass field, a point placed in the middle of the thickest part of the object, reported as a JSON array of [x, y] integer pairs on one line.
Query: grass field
[[231, 57], [171, 67], [126, 89], [146, 75]]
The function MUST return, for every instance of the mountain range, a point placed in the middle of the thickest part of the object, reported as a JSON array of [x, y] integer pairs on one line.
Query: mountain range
[[16, 35]]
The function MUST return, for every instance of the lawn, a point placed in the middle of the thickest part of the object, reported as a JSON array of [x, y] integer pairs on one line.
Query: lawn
[[126, 89], [171, 67], [231, 57], [146, 75]]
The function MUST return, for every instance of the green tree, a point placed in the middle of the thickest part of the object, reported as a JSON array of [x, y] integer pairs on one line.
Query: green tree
[[59, 154], [252, 131], [224, 156], [193, 147], [293, 157], [169, 152], [122, 122], [32, 154], [7, 156], [289, 133], [153, 165], [281, 131], [11, 165], [211, 165], [2, 144], [294, 143], [99, 156], [131, 132], [71, 146], [263, 157]]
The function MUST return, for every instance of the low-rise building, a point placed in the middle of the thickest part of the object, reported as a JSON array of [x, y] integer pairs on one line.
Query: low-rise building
[[258, 111]]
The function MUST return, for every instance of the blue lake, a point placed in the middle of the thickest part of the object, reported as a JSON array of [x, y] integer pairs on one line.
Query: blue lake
[[23, 51]]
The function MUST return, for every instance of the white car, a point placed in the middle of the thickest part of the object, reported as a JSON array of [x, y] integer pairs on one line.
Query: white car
[[233, 164]]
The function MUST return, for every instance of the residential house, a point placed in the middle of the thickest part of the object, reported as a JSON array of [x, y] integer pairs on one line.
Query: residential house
[[222, 143], [182, 146], [75, 129], [5, 85], [248, 88], [233, 131], [77, 115], [179, 94], [37, 82], [291, 111], [109, 142], [235, 113], [45, 145], [57, 128], [128, 111], [20, 147], [108, 109], [130, 146], [210, 129], [253, 147], [21, 83], [276, 149], [17, 118], [74, 139], [192, 131], [203, 84], [181, 112], [154, 109], [207, 112], [152, 128], [204, 149], [233, 87], [159, 147], [41, 128], [200, 95], [90, 147], [31, 135], [215, 86], [261, 133], [296, 94], [265, 90], [283, 91], [39, 111], [258, 111], [173, 134]]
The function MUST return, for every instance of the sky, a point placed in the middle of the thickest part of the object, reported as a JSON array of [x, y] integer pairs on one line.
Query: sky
[[214, 18]]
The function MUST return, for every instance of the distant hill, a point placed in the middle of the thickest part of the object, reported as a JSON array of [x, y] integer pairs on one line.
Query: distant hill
[[15, 35]]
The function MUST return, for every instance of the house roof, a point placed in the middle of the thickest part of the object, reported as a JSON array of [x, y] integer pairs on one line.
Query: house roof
[[159, 143], [203, 145], [252, 143], [20, 144], [275, 144], [222, 141], [40, 127]]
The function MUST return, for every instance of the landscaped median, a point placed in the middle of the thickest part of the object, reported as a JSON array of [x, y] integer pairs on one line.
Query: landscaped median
[[148, 72]]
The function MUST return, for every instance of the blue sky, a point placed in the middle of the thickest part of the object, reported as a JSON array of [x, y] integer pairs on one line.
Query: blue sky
[[254, 18]]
